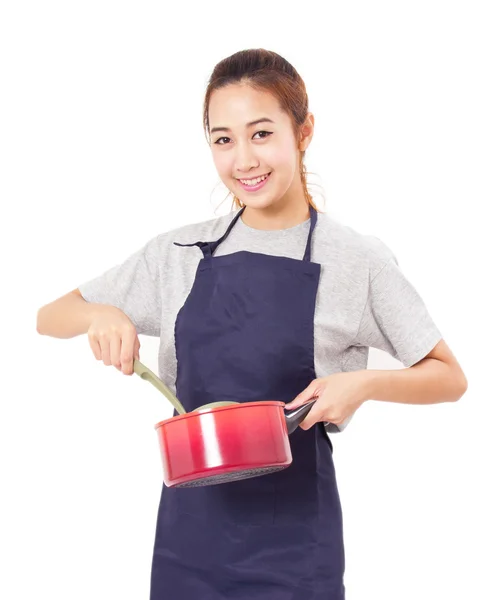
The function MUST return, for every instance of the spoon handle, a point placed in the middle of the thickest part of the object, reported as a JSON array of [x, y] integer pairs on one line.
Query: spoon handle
[[147, 375]]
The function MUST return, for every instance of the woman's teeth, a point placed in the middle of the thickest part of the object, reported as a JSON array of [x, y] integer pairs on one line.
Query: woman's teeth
[[254, 181]]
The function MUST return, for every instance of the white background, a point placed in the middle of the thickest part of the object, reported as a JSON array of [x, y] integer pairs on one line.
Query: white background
[[102, 148]]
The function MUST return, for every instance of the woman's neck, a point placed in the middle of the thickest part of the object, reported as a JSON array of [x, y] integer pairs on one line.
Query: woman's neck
[[276, 216]]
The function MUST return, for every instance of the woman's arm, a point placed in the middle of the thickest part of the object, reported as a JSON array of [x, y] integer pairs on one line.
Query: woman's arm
[[436, 378], [68, 316]]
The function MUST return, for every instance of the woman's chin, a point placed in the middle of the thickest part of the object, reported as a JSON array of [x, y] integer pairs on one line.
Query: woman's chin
[[258, 203]]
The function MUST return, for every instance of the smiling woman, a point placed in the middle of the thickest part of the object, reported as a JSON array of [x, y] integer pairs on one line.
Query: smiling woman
[[274, 301], [274, 94], [248, 153]]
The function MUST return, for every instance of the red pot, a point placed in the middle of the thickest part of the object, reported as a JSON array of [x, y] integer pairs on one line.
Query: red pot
[[217, 445], [223, 441]]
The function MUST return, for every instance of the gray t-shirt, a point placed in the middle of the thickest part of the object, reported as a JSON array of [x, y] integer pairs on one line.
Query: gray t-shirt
[[363, 300]]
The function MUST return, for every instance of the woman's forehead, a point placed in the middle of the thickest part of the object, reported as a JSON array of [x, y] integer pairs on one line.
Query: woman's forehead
[[236, 106]]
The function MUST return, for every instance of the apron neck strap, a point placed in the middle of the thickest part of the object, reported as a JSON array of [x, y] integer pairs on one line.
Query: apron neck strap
[[208, 248], [313, 222], [213, 245]]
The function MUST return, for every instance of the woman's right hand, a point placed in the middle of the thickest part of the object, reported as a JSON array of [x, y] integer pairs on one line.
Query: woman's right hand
[[113, 339]]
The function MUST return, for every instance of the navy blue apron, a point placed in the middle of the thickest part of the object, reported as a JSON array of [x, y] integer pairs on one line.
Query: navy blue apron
[[246, 333]]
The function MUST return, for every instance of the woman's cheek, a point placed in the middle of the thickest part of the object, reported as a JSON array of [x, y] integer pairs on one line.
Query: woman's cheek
[[225, 171]]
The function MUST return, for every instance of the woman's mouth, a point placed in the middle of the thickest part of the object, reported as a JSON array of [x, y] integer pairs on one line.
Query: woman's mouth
[[253, 185]]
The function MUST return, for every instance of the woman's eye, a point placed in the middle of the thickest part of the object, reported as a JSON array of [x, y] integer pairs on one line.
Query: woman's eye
[[226, 138], [267, 132]]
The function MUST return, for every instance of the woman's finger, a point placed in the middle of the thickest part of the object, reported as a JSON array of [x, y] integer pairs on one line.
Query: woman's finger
[[308, 393]]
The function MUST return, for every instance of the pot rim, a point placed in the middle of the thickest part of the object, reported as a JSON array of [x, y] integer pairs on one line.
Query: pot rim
[[196, 413]]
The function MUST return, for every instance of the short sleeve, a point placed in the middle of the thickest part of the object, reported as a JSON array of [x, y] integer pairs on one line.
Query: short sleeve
[[133, 286], [395, 318]]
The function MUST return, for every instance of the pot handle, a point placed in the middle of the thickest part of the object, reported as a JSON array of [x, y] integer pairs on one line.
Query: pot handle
[[296, 416]]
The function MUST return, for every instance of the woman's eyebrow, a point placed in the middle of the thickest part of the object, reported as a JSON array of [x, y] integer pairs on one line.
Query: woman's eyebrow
[[263, 120]]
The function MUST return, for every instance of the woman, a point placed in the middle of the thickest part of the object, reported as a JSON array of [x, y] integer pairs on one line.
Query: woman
[[274, 300]]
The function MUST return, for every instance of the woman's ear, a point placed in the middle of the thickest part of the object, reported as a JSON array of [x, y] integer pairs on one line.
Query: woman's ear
[[306, 132]]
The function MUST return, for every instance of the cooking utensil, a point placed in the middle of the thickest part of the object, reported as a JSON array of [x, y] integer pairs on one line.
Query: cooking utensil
[[223, 441]]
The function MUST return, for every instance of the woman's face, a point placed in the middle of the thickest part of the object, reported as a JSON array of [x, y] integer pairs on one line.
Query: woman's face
[[243, 152]]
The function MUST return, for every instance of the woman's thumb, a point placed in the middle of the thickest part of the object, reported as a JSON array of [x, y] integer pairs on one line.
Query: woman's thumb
[[303, 397]]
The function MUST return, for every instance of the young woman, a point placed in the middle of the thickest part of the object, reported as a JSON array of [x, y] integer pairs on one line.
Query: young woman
[[284, 304]]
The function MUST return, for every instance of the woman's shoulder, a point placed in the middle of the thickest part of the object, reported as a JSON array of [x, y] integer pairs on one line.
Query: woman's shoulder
[[351, 245]]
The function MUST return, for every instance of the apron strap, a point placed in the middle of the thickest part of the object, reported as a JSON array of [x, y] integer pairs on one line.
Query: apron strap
[[313, 222], [208, 248], [214, 245]]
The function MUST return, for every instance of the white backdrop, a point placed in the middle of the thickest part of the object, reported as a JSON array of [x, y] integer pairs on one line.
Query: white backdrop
[[102, 148]]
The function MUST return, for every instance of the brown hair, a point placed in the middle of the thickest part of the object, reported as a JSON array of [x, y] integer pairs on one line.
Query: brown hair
[[265, 71]]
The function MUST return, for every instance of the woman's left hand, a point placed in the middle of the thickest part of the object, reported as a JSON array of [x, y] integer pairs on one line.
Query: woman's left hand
[[338, 397]]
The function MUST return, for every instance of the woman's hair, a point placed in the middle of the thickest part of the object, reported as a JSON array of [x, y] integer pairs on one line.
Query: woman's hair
[[269, 72]]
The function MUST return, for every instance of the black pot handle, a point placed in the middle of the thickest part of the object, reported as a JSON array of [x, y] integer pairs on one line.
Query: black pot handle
[[297, 416]]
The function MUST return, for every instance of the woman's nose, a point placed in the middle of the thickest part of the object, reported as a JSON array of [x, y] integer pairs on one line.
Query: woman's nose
[[245, 160]]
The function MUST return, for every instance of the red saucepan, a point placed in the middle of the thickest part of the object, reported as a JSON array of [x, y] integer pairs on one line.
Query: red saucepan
[[223, 441]]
